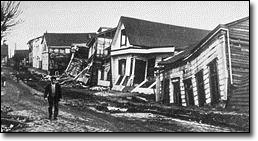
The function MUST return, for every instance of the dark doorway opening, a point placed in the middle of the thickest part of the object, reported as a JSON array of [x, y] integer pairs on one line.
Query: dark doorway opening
[[150, 68], [176, 91], [189, 92], [200, 88], [122, 66], [214, 84], [166, 99], [139, 71]]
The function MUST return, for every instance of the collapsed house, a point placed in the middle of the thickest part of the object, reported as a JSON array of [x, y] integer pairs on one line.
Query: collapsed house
[[138, 46], [205, 73], [91, 64], [57, 50], [99, 53]]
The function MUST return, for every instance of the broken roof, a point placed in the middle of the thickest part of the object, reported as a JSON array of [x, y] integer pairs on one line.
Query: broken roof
[[66, 39], [152, 34]]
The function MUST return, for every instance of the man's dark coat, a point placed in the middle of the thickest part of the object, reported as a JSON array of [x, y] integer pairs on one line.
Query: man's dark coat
[[48, 92]]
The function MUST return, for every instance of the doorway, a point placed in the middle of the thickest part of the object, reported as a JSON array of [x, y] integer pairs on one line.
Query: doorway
[[166, 99], [176, 91], [189, 92], [214, 84], [139, 71], [200, 88]]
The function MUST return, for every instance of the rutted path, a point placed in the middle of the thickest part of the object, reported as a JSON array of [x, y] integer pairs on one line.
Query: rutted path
[[80, 119]]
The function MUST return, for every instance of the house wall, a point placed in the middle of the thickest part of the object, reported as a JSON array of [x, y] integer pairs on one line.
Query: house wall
[[239, 50], [37, 53], [215, 48], [239, 58], [117, 38], [45, 56]]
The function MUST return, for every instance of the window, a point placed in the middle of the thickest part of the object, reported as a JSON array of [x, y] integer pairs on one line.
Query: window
[[62, 51], [56, 50], [102, 74], [44, 47], [121, 69], [123, 38], [67, 50], [51, 50]]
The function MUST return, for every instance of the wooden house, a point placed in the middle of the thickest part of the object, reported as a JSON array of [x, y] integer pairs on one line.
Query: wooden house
[[56, 49], [35, 52], [99, 53], [138, 46], [207, 72]]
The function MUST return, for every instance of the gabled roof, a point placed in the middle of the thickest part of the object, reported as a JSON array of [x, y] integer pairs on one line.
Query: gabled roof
[[193, 48], [33, 39], [66, 39], [152, 34], [237, 21], [109, 33]]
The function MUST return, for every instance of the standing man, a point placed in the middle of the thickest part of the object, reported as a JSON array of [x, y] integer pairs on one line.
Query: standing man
[[53, 94]]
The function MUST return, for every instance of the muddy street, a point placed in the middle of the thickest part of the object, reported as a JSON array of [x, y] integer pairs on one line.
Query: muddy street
[[24, 111]]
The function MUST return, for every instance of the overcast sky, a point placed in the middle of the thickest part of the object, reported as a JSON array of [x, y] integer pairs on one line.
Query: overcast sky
[[88, 16]]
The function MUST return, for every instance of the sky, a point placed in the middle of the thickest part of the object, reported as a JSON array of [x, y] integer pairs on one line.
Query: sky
[[88, 16]]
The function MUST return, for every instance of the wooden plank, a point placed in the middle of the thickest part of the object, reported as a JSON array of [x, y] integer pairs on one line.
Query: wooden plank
[[239, 37]]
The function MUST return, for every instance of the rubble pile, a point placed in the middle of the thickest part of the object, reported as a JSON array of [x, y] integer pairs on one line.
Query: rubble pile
[[11, 122]]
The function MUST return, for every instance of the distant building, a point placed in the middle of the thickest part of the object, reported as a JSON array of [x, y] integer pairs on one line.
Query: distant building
[[21, 58], [4, 53], [56, 49], [35, 52]]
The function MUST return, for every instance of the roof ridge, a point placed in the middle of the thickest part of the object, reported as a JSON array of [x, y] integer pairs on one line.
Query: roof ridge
[[164, 23]]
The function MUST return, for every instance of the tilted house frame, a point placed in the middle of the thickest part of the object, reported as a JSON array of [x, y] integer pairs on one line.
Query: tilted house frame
[[206, 73], [138, 46], [56, 49], [99, 51]]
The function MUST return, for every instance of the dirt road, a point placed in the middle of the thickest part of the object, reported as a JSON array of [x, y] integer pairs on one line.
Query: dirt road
[[33, 110]]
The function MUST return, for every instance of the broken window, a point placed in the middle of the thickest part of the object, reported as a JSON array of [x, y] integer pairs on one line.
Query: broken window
[[123, 38], [121, 68]]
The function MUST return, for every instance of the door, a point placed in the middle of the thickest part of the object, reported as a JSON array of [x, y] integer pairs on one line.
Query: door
[[139, 71], [189, 92], [214, 84], [200, 88], [166, 99], [176, 91]]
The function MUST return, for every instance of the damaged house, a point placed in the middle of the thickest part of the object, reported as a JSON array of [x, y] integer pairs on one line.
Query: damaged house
[[213, 71], [99, 55], [56, 49], [138, 46]]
